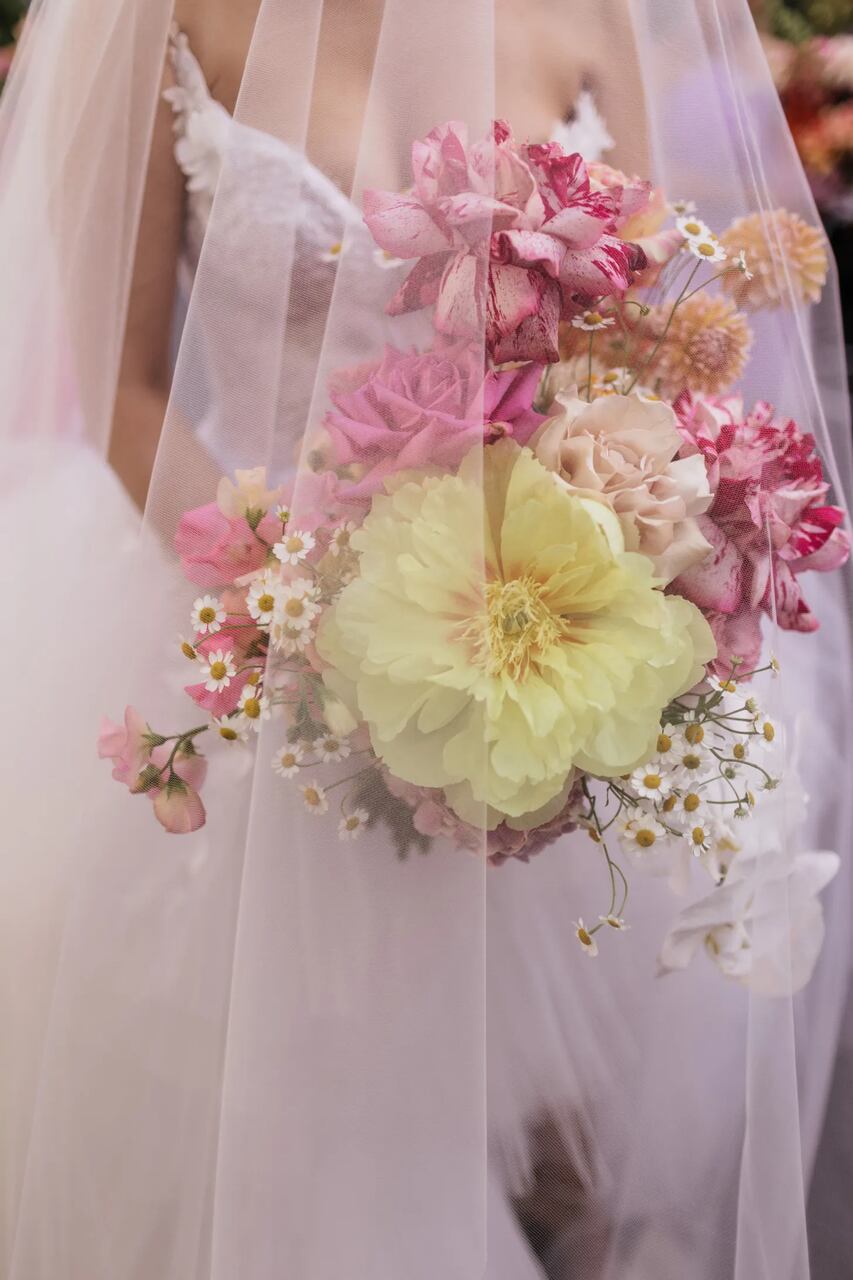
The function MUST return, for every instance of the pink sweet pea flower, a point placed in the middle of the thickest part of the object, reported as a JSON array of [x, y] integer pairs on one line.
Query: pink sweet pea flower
[[216, 549], [128, 746], [412, 410], [510, 238], [178, 808]]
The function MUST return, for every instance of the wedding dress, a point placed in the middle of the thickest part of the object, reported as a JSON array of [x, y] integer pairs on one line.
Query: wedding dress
[[161, 1026]]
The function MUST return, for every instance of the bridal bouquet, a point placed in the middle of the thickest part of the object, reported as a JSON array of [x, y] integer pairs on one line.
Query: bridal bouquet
[[519, 590]]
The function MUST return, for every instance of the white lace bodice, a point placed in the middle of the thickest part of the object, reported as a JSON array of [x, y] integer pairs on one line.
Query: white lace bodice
[[280, 225], [279, 228], [203, 132]]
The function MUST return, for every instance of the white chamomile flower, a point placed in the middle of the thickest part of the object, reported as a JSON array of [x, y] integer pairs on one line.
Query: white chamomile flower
[[692, 762], [261, 600], [187, 648], [231, 728], [740, 263], [386, 260], [775, 665], [693, 228], [218, 670], [207, 616], [294, 547], [765, 734], [683, 810], [724, 848], [292, 641], [650, 782], [592, 321], [334, 253], [720, 685], [297, 607], [255, 706], [352, 824], [314, 797], [665, 749], [287, 760], [682, 207], [282, 513], [615, 922], [699, 836], [707, 249], [585, 938], [332, 749], [641, 831], [339, 541]]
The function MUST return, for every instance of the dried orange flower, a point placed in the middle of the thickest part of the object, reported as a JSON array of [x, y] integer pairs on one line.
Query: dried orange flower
[[705, 348], [785, 255]]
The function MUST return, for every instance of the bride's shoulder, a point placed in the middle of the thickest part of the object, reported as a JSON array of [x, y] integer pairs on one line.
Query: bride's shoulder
[[219, 33]]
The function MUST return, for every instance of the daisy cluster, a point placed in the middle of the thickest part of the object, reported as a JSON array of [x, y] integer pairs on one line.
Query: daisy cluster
[[715, 756]]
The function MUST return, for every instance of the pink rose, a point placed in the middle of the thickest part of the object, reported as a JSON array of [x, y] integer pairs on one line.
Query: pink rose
[[510, 238], [216, 549], [412, 410]]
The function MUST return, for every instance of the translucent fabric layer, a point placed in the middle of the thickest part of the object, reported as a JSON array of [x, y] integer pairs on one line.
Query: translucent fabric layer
[[351, 1021]]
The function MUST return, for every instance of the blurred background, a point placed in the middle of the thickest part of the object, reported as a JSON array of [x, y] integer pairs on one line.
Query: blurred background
[[809, 45]]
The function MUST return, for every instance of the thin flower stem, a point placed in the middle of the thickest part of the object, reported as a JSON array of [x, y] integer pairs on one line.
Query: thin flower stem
[[340, 782], [641, 372]]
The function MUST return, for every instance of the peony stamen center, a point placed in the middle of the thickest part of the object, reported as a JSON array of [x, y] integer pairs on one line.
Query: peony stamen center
[[519, 627]]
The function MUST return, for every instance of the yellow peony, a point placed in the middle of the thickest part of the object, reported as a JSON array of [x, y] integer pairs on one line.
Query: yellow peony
[[498, 634]]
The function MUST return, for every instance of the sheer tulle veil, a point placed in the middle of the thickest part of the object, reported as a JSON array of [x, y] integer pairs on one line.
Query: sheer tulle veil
[[257, 1051]]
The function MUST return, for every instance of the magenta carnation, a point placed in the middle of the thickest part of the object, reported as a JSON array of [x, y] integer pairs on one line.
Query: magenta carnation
[[511, 238], [412, 410], [768, 524]]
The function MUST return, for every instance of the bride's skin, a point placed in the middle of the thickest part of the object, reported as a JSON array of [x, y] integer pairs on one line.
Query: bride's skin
[[542, 59]]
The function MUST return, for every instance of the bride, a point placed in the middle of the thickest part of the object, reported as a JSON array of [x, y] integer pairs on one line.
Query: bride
[[254, 1055]]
